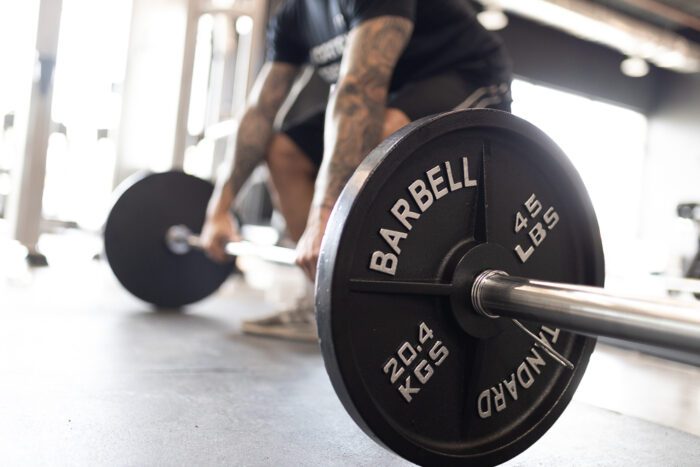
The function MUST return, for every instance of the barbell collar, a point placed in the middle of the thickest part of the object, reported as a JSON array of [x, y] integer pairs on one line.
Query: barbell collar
[[589, 310]]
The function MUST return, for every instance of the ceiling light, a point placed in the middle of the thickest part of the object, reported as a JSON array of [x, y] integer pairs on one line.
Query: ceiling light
[[635, 67], [244, 25], [493, 19], [223, 4]]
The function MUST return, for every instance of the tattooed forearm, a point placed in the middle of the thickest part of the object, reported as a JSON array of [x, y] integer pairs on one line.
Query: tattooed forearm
[[355, 115], [252, 139], [256, 126]]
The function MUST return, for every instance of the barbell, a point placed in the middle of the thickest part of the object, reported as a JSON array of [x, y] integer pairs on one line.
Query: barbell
[[180, 240], [458, 290]]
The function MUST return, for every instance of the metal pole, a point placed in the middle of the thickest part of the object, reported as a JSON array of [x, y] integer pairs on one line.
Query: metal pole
[[589, 310], [183, 107], [25, 207]]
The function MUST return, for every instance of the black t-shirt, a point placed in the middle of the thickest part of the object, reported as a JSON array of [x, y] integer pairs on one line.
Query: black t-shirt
[[446, 36]]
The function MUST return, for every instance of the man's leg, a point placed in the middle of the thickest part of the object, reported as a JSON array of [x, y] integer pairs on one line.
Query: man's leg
[[394, 120], [292, 176]]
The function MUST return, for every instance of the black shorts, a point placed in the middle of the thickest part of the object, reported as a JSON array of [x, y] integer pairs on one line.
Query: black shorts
[[419, 99]]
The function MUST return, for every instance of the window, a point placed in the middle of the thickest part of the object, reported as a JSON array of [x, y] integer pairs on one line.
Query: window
[[90, 68], [607, 144]]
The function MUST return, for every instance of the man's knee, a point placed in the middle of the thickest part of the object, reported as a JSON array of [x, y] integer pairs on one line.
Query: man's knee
[[394, 120], [284, 156], [278, 152]]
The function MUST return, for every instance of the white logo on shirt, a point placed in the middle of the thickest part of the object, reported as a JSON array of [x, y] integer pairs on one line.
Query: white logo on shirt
[[326, 57]]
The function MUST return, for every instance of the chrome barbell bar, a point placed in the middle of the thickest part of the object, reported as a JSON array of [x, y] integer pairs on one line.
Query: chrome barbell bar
[[589, 310], [180, 240], [585, 310]]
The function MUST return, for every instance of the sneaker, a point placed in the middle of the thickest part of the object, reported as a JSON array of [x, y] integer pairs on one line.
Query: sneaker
[[298, 323]]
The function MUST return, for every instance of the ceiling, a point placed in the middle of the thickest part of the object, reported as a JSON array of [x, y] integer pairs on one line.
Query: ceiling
[[665, 33], [680, 16]]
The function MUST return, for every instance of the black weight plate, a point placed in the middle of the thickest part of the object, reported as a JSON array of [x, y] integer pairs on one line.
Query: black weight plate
[[134, 237], [477, 394]]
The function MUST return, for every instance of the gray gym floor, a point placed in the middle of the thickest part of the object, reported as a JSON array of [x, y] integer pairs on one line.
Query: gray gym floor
[[92, 376]]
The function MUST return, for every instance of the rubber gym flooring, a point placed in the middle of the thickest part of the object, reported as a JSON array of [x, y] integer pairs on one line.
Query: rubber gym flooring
[[92, 376]]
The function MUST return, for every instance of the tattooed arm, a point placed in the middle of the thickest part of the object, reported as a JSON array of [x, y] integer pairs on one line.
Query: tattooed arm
[[252, 139], [355, 113], [354, 118]]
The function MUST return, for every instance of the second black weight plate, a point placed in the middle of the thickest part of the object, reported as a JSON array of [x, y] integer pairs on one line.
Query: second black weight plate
[[134, 237], [443, 199]]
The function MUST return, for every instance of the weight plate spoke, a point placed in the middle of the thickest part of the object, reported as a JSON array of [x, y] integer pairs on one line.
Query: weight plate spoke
[[441, 201], [400, 287], [479, 213]]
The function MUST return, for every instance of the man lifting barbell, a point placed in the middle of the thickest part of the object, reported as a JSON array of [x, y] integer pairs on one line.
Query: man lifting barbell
[[390, 63], [459, 287]]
